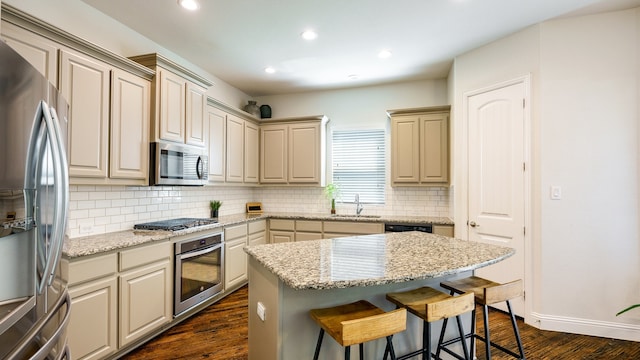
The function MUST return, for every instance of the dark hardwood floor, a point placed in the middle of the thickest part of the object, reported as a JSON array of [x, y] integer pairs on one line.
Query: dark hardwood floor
[[220, 333]]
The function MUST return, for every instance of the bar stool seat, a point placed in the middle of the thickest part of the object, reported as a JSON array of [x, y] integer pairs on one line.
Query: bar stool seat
[[432, 305], [357, 323], [487, 293]]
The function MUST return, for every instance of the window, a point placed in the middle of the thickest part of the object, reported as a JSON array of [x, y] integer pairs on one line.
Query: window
[[358, 164]]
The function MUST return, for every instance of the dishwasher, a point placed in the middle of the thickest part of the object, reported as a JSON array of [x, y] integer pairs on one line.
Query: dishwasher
[[391, 227]]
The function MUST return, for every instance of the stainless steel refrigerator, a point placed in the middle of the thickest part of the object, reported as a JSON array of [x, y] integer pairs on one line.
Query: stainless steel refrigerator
[[34, 202]]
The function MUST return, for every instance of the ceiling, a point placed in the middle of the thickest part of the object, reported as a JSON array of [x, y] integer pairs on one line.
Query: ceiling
[[235, 40]]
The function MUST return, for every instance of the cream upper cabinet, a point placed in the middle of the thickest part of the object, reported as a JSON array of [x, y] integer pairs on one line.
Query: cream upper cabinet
[[216, 143], [420, 147], [251, 152], [85, 83], [233, 143], [292, 151], [273, 154], [235, 149], [306, 141], [179, 101], [434, 148], [130, 96], [39, 51], [196, 110], [172, 103], [108, 96]]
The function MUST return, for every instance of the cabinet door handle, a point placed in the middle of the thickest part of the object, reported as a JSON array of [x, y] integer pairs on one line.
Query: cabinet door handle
[[473, 224]]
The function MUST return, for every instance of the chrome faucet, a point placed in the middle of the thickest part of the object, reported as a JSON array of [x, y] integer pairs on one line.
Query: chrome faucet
[[359, 207]]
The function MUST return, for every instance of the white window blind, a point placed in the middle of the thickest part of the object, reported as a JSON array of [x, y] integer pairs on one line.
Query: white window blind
[[358, 164]]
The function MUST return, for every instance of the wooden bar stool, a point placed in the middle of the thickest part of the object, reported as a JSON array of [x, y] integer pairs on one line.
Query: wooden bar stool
[[357, 323], [432, 305], [488, 293]]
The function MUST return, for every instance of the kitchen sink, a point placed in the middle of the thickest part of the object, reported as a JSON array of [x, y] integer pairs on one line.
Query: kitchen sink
[[357, 216]]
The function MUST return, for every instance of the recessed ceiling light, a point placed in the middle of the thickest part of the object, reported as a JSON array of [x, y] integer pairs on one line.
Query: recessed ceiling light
[[269, 70], [191, 5], [384, 54], [309, 35]]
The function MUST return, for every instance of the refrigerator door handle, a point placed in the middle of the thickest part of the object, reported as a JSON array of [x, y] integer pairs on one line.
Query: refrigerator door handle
[[36, 151], [63, 191], [60, 205]]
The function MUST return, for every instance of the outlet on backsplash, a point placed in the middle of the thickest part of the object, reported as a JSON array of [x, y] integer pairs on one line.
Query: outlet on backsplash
[[86, 229]]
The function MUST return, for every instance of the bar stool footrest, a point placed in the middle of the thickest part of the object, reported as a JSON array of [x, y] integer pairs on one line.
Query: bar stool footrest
[[412, 354], [499, 347]]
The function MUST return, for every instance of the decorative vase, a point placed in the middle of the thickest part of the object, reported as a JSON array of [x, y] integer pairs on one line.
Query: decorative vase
[[214, 213], [265, 111], [333, 206], [252, 108]]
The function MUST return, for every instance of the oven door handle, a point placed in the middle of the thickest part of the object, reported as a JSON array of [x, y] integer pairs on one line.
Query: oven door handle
[[190, 255]]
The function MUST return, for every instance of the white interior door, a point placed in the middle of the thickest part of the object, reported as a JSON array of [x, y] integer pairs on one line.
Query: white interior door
[[496, 143]]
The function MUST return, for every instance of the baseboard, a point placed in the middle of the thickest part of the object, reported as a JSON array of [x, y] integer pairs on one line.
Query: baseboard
[[589, 327]]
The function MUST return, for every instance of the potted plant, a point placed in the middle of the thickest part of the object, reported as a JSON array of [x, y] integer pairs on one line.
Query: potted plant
[[215, 206], [332, 191]]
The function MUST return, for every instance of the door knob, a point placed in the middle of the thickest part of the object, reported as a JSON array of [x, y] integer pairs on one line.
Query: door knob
[[473, 224]]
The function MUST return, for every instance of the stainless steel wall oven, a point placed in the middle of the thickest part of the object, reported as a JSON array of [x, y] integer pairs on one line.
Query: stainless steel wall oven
[[199, 270]]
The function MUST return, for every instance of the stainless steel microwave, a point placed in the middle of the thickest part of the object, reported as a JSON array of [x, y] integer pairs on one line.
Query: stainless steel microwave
[[177, 164]]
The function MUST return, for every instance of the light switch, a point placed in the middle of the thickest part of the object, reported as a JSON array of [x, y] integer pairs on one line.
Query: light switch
[[261, 311], [556, 192]]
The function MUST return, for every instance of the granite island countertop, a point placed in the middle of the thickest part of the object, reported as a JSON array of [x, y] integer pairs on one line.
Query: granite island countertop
[[104, 243], [373, 259]]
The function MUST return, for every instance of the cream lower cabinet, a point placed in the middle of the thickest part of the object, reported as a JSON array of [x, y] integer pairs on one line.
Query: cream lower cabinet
[[281, 230], [335, 229], [145, 291], [308, 230], [420, 147], [257, 232], [293, 152], [93, 326], [235, 259], [446, 230]]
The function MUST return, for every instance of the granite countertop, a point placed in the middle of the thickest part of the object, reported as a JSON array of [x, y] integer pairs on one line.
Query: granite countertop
[[104, 243], [373, 259]]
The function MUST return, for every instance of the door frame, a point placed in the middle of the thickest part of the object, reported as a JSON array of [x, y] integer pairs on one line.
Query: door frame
[[463, 168]]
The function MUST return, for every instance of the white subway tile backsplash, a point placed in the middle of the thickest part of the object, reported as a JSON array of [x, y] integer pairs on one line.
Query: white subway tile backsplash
[[104, 209]]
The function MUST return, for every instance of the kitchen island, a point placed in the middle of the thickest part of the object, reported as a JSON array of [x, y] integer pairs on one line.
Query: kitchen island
[[287, 280]]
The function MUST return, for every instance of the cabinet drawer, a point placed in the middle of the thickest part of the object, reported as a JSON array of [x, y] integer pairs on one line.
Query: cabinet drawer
[[308, 225], [257, 226], [281, 224], [352, 227], [235, 232], [144, 255], [446, 230], [92, 268]]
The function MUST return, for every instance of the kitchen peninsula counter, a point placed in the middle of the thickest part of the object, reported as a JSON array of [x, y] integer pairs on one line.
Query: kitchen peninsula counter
[[290, 279]]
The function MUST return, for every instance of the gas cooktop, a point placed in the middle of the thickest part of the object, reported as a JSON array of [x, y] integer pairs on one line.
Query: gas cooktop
[[175, 224]]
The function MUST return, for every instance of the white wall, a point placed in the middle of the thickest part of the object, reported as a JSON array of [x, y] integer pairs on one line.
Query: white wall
[[589, 113], [584, 258]]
